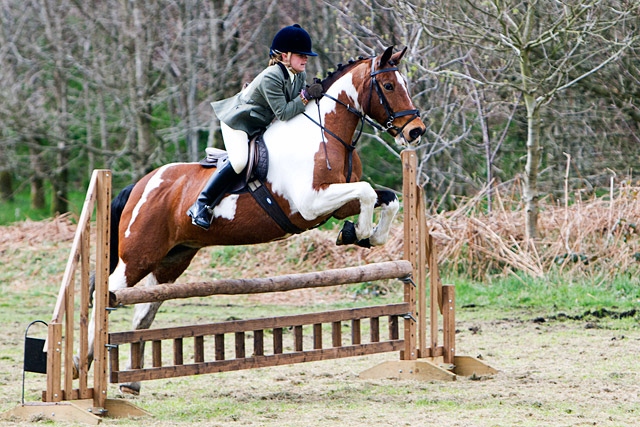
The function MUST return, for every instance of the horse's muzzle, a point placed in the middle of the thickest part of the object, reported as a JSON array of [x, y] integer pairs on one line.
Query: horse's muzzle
[[416, 133]]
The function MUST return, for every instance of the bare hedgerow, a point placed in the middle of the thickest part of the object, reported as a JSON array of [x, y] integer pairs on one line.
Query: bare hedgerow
[[595, 237]]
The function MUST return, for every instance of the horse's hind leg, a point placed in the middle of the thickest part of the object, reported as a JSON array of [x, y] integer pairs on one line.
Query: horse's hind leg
[[143, 316], [168, 270]]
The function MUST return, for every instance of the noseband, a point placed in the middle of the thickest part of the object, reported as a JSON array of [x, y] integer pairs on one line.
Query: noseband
[[391, 116]]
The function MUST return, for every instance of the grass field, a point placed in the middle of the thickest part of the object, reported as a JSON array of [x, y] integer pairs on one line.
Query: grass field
[[567, 353]]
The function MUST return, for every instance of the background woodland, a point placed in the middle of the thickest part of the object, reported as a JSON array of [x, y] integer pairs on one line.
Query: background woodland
[[536, 99]]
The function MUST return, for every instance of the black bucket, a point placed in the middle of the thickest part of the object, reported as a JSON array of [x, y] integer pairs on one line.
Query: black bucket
[[35, 358]]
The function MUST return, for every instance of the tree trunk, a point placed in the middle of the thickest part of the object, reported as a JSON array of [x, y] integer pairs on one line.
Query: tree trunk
[[60, 199], [530, 190], [37, 193], [6, 186], [37, 182]]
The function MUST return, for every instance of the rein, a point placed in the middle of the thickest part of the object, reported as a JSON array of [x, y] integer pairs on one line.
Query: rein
[[391, 116]]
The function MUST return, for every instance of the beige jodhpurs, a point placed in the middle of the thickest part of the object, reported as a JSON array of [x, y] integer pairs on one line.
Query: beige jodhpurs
[[236, 142]]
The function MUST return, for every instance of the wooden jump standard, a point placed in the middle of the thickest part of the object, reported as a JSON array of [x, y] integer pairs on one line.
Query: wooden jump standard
[[420, 357]]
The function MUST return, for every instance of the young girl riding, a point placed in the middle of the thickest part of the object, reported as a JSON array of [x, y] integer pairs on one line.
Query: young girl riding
[[278, 92]]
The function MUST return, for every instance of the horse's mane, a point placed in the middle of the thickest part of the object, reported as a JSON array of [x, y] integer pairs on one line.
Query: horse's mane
[[341, 69]]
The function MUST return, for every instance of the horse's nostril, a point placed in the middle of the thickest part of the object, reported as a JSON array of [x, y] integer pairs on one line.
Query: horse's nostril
[[416, 133]]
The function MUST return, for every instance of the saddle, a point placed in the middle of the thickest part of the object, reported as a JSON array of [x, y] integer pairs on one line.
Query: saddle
[[257, 164], [252, 180]]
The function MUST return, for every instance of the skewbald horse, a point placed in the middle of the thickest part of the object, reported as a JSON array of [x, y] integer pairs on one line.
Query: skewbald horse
[[313, 175]]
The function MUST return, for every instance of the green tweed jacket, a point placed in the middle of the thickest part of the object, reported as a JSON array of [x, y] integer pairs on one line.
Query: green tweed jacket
[[270, 95]]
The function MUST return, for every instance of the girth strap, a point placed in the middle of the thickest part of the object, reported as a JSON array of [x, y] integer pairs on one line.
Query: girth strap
[[267, 202]]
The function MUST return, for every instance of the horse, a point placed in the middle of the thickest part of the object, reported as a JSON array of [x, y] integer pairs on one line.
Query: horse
[[313, 174]]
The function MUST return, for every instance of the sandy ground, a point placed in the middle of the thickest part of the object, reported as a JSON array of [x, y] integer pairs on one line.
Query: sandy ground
[[556, 373]]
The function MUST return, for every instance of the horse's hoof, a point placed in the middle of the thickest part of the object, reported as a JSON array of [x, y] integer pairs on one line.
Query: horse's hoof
[[347, 235], [364, 243], [132, 388], [76, 369]]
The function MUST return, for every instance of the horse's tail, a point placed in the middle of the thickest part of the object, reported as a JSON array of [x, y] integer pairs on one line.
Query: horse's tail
[[117, 206]]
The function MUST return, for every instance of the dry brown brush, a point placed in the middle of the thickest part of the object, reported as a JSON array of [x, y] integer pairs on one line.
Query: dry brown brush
[[595, 238]]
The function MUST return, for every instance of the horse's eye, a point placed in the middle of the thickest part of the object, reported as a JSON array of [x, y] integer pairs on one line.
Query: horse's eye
[[388, 86]]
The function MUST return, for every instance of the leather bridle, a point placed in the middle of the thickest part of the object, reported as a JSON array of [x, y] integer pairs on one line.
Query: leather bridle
[[363, 116]]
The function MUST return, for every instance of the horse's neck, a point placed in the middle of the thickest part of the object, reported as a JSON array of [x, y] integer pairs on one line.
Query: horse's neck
[[335, 117]]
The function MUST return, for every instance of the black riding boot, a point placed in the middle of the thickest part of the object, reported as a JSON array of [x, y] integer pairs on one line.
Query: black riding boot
[[201, 212]]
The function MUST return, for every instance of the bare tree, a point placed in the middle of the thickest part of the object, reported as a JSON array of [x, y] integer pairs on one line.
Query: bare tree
[[542, 48]]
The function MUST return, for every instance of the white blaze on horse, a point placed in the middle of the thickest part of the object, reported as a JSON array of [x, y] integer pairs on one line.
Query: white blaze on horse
[[313, 175]]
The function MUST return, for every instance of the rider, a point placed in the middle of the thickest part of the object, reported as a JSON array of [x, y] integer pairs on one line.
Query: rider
[[277, 92]]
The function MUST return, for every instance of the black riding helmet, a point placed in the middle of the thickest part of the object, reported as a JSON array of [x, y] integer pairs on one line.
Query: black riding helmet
[[292, 39]]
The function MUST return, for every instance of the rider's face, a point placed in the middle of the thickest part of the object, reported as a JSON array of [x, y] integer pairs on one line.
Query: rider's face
[[296, 61]]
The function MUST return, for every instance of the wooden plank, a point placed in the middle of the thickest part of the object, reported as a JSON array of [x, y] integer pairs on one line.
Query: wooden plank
[[420, 273], [277, 341], [449, 323], [258, 342], [336, 334], [334, 277], [156, 350], [54, 363], [103, 215], [356, 334], [136, 355], [435, 291], [240, 351], [375, 329], [178, 351], [470, 366], [198, 349], [410, 206], [394, 328], [114, 360], [76, 412], [117, 338], [257, 362], [219, 348], [58, 411], [297, 338], [83, 332], [317, 336], [69, 319], [422, 370]]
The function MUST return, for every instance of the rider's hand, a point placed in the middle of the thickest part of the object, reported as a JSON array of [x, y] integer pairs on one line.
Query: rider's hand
[[315, 91]]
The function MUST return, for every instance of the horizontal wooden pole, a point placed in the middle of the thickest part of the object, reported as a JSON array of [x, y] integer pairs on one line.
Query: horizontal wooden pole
[[341, 276]]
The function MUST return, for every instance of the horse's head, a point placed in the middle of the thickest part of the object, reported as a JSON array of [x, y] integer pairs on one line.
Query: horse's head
[[389, 102], [373, 89]]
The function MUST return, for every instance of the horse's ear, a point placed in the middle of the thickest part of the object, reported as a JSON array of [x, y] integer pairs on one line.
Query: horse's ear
[[386, 56], [395, 59]]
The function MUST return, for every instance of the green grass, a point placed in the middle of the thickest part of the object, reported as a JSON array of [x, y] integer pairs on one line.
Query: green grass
[[548, 294], [19, 209]]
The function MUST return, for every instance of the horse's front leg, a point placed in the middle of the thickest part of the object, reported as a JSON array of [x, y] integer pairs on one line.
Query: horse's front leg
[[337, 196], [388, 203], [117, 280], [389, 206]]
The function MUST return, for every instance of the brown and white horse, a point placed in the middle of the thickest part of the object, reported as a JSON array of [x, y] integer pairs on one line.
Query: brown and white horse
[[313, 175]]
